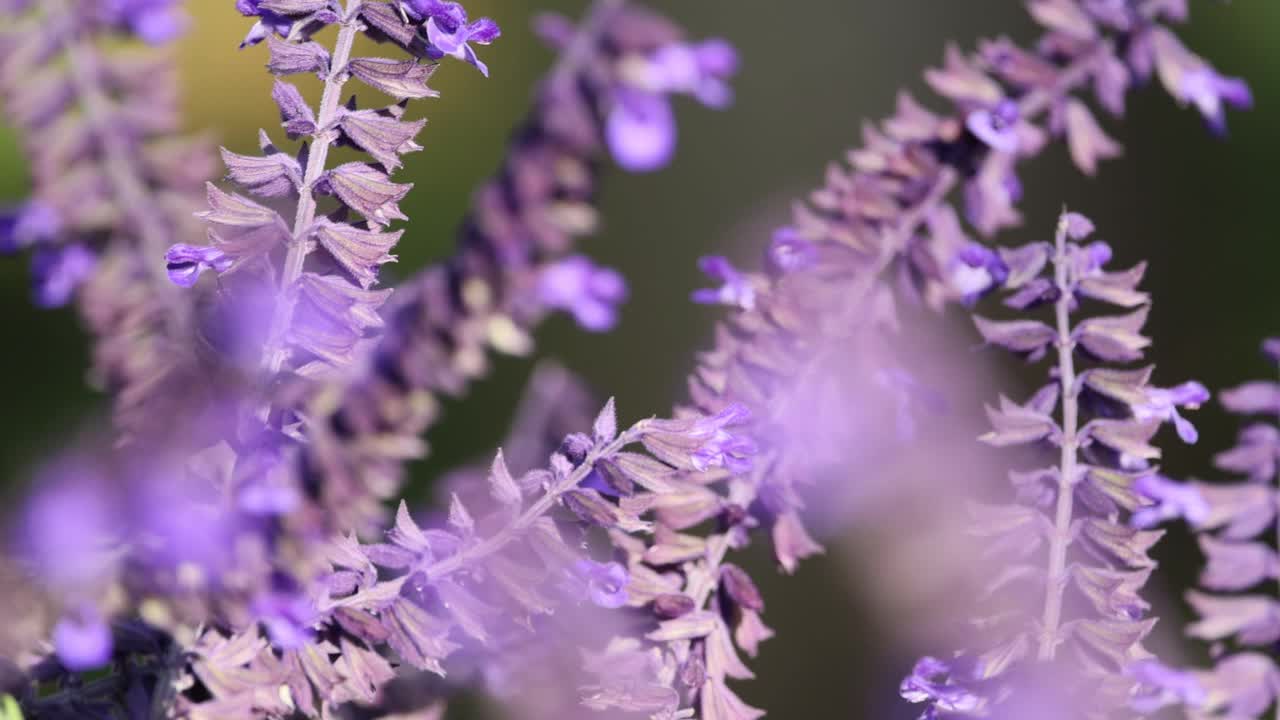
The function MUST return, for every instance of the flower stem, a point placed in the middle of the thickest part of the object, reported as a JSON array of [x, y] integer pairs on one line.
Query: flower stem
[[300, 247], [1056, 581]]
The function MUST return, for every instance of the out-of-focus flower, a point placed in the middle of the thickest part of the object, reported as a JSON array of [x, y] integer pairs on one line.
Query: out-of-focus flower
[[605, 583], [1172, 500], [585, 290], [736, 289], [82, 641], [58, 271]]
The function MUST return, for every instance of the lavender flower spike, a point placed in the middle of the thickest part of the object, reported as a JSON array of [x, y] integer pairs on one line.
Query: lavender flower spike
[[113, 184], [1092, 417]]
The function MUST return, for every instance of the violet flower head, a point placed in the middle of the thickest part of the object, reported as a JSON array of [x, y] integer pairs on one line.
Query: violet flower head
[[186, 262], [1211, 93], [269, 22], [605, 583], [448, 31], [1169, 500], [59, 271], [82, 641], [288, 617], [977, 270], [932, 681], [997, 127], [154, 21], [1163, 404], [736, 289], [27, 225], [1160, 685], [789, 252], [640, 128], [587, 291]]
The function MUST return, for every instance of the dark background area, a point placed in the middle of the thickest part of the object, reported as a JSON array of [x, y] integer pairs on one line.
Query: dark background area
[[1200, 209]]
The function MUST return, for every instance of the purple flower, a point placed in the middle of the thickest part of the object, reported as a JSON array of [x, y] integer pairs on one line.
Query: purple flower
[[788, 252], [975, 271], [1171, 500], [996, 127], [186, 262], [641, 130], [587, 291], [28, 224], [1208, 90], [1271, 349], [268, 22], [698, 70], [1163, 403], [736, 288], [59, 271], [719, 447], [83, 642], [930, 681], [448, 31], [154, 21], [1160, 685], [606, 583], [287, 616]]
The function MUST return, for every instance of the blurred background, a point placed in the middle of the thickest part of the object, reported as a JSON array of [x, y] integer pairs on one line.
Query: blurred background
[[1200, 209]]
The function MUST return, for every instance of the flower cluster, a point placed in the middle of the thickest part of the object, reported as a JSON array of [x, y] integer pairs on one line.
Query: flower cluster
[[1236, 525], [1067, 594], [513, 266], [880, 235], [242, 564], [112, 183]]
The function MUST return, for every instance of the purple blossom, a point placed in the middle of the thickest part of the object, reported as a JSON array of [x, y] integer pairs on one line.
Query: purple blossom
[[1171, 500], [997, 127], [789, 252], [186, 262], [736, 289], [82, 641], [585, 290], [699, 70], [1160, 685], [975, 271], [288, 617], [154, 21], [448, 31], [1208, 91], [59, 271], [931, 681], [640, 128], [27, 225], [719, 447], [268, 22], [605, 583], [1163, 404]]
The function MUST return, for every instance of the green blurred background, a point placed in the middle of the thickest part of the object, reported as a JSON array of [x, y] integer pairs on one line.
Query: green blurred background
[[1202, 210]]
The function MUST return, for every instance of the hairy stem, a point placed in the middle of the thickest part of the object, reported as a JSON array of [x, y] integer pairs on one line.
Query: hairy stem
[[1055, 585], [300, 247]]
